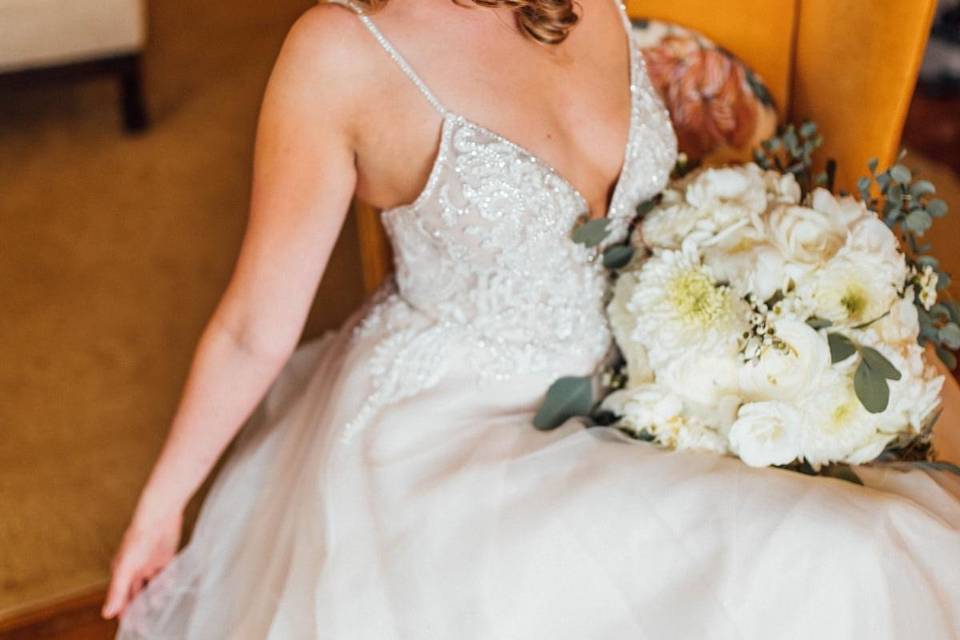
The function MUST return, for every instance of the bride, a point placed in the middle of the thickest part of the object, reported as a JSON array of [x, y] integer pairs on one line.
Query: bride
[[386, 481]]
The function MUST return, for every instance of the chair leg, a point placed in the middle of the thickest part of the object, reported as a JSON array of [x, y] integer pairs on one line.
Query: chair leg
[[132, 103]]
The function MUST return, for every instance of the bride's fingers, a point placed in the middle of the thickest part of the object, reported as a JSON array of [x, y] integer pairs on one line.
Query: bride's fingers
[[117, 594]]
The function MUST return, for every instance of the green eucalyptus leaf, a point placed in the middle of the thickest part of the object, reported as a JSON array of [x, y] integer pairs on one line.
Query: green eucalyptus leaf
[[566, 398], [937, 208], [950, 336], [900, 173], [879, 363], [919, 221], [943, 280], [872, 165], [871, 388], [841, 347], [925, 261], [819, 323], [922, 188], [646, 207], [617, 256], [591, 233], [953, 308]]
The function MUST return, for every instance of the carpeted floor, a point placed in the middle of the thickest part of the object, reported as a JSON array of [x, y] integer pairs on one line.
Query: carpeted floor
[[113, 252]]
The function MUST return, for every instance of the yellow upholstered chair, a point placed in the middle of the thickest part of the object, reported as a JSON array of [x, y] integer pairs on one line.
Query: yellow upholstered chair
[[850, 65]]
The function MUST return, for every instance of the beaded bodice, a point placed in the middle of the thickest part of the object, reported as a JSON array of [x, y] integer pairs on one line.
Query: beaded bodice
[[485, 250]]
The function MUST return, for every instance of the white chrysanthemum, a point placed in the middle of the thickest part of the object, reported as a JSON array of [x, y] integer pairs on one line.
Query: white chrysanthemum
[[836, 424], [787, 371], [854, 287], [767, 433], [679, 307], [805, 235], [845, 211]]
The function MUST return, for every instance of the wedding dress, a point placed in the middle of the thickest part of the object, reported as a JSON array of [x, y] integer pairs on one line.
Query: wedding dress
[[391, 486]]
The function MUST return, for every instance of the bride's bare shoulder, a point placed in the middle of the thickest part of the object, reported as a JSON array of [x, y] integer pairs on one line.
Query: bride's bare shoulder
[[326, 54]]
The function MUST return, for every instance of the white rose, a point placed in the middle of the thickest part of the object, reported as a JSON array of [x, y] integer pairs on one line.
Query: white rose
[[767, 433], [666, 226], [786, 373], [844, 211], [700, 377], [805, 235]]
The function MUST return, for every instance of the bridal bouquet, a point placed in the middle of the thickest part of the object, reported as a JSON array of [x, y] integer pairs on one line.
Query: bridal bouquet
[[758, 314]]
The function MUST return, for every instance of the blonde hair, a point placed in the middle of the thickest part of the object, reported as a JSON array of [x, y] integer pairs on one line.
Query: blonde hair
[[546, 21]]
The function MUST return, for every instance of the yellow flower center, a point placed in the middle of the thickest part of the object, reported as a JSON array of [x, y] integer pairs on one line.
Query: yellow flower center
[[854, 300], [697, 299]]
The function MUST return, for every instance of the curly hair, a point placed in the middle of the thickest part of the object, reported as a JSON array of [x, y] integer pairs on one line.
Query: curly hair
[[546, 21]]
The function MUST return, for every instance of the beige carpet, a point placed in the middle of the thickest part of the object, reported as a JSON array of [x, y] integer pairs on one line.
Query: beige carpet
[[113, 252]]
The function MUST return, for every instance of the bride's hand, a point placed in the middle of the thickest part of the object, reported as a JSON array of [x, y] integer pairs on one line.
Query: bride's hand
[[145, 550]]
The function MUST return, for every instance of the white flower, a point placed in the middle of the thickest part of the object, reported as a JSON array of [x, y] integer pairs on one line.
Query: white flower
[[666, 226], [927, 280], [870, 235], [902, 325], [767, 433], [782, 188], [726, 194], [836, 424], [805, 235], [758, 269], [622, 324], [915, 397], [854, 287], [679, 307], [785, 372], [844, 211], [702, 377]]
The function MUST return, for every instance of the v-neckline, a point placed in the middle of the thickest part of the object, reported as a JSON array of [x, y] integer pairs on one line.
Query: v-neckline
[[632, 56]]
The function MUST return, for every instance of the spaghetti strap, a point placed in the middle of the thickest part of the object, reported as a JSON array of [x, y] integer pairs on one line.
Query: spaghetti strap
[[393, 53]]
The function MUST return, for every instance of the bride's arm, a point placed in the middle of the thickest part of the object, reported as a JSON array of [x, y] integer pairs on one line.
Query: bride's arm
[[304, 178]]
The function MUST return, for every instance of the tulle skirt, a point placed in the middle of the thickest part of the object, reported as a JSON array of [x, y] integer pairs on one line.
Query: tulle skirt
[[446, 515]]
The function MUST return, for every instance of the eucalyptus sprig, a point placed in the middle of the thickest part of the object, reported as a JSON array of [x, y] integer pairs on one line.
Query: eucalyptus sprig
[[909, 207], [791, 151]]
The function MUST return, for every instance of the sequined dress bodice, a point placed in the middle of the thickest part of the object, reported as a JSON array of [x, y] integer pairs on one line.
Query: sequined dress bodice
[[484, 254]]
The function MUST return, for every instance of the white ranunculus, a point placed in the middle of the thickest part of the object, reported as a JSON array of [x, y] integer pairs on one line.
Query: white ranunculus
[[728, 194], [788, 372], [702, 378], [767, 433], [759, 269], [836, 424], [854, 287], [805, 235], [679, 307], [870, 235], [844, 211]]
